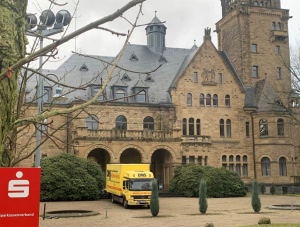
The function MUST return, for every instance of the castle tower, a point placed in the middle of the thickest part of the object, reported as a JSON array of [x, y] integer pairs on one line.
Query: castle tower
[[254, 34], [156, 32]]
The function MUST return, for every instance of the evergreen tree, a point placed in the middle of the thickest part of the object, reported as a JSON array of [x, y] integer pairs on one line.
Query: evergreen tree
[[154, 201], [256, 204], [272, 189], [202, 197]]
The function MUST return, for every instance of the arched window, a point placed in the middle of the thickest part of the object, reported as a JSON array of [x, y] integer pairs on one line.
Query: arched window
[[256, 3], [231, 165], [280, 127], [227, 100], [198, 127], [273, 26], [120, 95], [121, 122], [265, 166], [238, 165], [263, 127], [221, 128], [148, 123], [215, 100], [208, 100], [228, 128], [189, 99], [224, 161], [191, 127], [92, 122], [279, 26], [245, 165], [261, 3], [201, 99], [282, 167], [184, 126]]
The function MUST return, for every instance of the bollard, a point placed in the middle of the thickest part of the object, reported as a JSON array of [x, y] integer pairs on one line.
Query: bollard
[[105, 210], [44, 213]]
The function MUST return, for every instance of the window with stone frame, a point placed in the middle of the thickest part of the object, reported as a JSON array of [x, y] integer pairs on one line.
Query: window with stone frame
[[148, 123], [222, 128], [238, 165], [278, 73], [215, 100], [199, 160], [184, 126], [247, 129], [198, 127], [255, 71], [231, 163], [227, 100], [191, 159], [201, 99], [282, 166], [189, 99], [208, 100], [228, 128], [280, 127], [265, 166], [195, 77], [224, 161], [92, 122], [254, 48], [183, 160], [263, 127], [121, 122], [191, 127], [245, 165]]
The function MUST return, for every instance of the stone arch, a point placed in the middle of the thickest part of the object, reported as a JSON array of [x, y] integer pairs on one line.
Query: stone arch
[[282, 156], [265, 156], [96, 146], [163, 147], [132, 146]]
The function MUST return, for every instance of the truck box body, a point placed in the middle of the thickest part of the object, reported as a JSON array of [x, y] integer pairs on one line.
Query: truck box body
[[129, 184]]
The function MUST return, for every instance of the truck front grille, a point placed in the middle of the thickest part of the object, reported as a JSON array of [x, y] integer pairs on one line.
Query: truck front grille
[[141, 197]]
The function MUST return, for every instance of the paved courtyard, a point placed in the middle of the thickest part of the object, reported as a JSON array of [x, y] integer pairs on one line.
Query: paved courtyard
[[175, 212]]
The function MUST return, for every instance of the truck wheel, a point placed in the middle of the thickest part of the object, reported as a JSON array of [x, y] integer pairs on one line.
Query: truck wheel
[[125, 205]]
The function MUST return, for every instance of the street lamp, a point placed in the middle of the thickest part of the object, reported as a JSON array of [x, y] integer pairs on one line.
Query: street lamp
[[49, 25]]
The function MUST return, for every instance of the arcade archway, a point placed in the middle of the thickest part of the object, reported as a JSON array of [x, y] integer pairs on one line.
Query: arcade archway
[[101, 156], [130, 155]]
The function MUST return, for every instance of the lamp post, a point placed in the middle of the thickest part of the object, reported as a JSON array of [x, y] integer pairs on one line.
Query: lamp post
[[49, 25]]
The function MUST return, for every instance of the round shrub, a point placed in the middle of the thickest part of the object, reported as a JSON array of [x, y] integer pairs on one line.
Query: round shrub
[[66, 178], [220, 182]]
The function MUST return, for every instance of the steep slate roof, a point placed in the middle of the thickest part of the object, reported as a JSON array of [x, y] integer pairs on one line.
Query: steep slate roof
[[136, 70]]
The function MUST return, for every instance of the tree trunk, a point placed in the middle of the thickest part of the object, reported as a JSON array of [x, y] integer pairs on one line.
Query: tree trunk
[[12, 48]]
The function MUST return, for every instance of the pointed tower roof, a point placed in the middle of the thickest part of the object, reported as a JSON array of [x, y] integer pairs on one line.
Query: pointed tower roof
[[156, 21]]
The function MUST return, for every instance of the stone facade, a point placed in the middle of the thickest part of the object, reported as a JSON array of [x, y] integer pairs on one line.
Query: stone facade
[[212, 111]]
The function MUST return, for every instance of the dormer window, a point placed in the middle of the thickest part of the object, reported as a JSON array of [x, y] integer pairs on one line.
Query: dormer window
[[94, 90], [120, 95], [125, 77], [133, 57], [149, 78], [84, 68], [141, 96]]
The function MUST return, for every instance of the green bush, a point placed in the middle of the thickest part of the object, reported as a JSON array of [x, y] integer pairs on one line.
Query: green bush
[[262, 188], [255, 200], [272, 189], [202, 196], [154, 200], [220, 182], [66, 177], [264, 221]]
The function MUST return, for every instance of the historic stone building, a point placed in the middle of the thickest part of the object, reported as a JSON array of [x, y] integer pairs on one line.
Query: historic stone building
[[171, 106]]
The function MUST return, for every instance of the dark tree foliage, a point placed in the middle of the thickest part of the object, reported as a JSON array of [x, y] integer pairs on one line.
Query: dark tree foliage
[[202, 196], [255, 201], [272, 189], [220, 182], [154, 201], [67, 177]]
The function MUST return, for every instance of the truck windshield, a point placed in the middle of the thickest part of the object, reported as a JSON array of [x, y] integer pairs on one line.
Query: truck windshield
[[140, 185]]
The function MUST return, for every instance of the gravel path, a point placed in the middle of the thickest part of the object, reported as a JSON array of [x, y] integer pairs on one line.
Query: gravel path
[[175, 212]]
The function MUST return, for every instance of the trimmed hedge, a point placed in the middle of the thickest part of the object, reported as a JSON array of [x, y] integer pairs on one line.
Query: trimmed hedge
[[220, 182], [67, 178]]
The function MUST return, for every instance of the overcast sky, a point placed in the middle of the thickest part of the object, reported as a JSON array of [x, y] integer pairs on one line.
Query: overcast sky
[[185, 22]]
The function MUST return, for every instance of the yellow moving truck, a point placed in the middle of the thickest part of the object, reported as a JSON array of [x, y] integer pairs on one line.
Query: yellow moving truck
[[129, 184]]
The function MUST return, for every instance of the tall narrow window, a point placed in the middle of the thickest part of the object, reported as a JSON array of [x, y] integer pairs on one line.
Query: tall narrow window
[[184, 126], [280, 127], [121, 122], [215, 100], [231, 165], [266, 166], [208, 100], [201, 99], [198, 127], [224, 161], [200, 160], [277, 49], [191, 127], [245, 165], [282, 167], [92, 122], [195, 77], [238, 165], [148, 123], [255, 71], [183, 160], [220, 78], [263, 127], [254, 48], [189, 99], [221, 128], [228, 128], [227, 100], [247, 129], [278, 72], [191, 159], [273, 26], [279, 26]]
